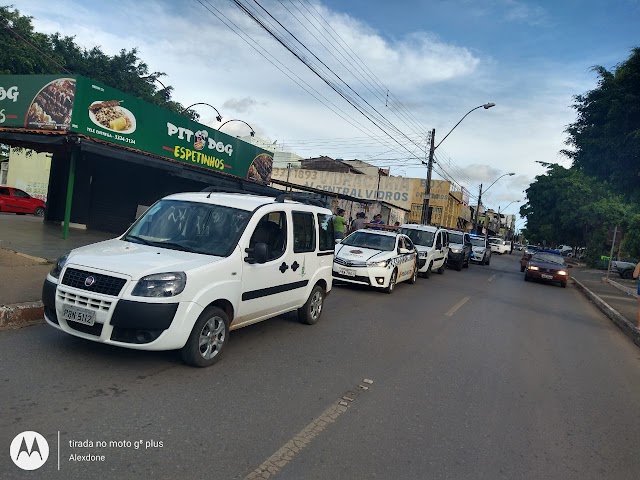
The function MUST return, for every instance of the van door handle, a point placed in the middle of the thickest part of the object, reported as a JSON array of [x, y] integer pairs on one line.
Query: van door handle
[[295, 265], [283, 268]]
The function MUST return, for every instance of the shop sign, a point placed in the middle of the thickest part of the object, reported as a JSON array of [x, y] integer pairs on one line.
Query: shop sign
[[78, 104]]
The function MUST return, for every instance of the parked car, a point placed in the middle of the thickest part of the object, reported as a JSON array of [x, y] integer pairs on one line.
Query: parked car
[[498, 246], [459, 250], [193, 267], [481, 251], [376, 258], [432, 244], [624, 267], [547, 266], [14, 200]]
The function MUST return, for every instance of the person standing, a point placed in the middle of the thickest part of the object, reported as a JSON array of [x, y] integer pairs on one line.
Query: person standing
[[377, 220], [339, 224], [358, 222]]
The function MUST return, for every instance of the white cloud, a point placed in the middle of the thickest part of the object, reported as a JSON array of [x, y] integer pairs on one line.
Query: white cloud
[[436, 80]]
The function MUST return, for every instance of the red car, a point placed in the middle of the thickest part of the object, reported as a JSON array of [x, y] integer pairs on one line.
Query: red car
[[547, 266], [14, 200]]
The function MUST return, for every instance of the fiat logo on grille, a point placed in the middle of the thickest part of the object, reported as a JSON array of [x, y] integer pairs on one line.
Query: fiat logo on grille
[[89, 281]]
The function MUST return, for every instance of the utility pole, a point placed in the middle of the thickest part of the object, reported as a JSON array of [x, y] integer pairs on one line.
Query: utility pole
[[475, 221], [426, 212]]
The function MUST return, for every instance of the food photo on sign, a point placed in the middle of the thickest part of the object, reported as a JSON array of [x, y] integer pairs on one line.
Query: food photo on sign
[[52, 106], [111, 115]]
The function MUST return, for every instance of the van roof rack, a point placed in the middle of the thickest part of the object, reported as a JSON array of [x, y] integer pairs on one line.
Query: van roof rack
[[298, 198], [217, 188]]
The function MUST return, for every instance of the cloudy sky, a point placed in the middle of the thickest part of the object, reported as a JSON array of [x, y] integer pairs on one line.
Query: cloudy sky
[[409, 66]]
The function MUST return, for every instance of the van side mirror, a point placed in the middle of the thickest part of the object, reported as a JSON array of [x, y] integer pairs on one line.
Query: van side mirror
[[403, 250], [258, 254]]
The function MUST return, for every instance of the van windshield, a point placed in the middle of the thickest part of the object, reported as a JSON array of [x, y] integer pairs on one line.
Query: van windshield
[[190, 227], [419, 237], [455, 238]]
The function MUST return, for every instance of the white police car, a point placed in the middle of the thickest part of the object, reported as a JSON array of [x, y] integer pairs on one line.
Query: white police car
[[480, 250], [377, 258]]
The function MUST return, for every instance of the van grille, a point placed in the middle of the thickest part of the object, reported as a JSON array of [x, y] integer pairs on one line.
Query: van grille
[[101, 283]]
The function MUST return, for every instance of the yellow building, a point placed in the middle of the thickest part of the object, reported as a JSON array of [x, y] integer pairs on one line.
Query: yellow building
[[406, 193], [29, 171]]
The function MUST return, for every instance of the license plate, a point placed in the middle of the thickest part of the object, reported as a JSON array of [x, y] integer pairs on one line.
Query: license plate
[[547, 277], [349, 272], [79, 315]]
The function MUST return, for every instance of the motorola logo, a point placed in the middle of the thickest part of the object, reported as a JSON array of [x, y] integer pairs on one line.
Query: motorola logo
[[29, 450]]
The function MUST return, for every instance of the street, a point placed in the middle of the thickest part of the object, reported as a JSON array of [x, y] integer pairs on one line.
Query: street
[[473, 374]]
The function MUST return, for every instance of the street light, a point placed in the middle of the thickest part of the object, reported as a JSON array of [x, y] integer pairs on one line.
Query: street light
[[253, 133], [499, 218], [426, 214], [218, 117], [475, 221]]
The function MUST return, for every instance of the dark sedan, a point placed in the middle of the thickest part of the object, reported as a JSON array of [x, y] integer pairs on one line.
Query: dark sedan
[[546, 266]]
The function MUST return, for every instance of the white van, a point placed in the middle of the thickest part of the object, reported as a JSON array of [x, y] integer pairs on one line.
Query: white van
[[432, 244], [192, 268]]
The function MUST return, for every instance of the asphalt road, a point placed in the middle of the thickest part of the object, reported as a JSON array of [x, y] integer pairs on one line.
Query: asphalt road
[[476, 374]]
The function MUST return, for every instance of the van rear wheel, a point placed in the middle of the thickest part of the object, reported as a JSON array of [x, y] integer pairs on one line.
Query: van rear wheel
[[310, 312], [208, 338]]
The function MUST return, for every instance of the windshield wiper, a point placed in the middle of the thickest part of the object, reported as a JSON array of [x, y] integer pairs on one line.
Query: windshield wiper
[[137, 239], [175, 246]]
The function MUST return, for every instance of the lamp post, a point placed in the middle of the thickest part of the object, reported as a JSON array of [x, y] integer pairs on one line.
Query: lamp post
[[499, 218], [475, 220], [218, 117], [253, 133], [426, 214]]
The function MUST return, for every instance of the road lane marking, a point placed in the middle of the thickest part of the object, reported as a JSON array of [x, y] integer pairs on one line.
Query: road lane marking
[[491, 277], [455, 308], [276, 462]]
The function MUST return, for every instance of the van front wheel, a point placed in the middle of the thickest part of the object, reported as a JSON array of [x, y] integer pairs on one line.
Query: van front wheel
[[310, 312], [207, 339]]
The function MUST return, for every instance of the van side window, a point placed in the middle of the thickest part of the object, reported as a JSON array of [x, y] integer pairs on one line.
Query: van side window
[[272, 230], [325, 224], [304, 232]]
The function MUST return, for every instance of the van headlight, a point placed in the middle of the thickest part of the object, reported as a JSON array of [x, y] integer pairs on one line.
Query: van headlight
[[456, 250], [60, 263], [377, 264], [160, 285]]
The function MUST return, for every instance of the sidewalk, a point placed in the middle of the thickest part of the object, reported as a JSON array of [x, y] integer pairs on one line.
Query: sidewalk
[[616, 298], [28, 248]]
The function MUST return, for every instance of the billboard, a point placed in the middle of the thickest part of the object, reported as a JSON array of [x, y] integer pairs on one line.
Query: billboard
[[75, 104]]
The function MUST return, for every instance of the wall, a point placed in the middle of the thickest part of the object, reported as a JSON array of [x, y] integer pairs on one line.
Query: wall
[[29, 173]]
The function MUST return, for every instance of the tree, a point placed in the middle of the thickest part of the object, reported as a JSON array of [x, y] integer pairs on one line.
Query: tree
[[606, 135], [565, 206], [24, 51]]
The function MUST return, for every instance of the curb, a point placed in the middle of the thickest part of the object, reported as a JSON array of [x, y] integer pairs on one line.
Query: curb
[[630, 330], [629, 291], [20, 315]]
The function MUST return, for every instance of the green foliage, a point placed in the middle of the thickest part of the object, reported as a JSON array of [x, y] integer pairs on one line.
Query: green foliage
[[24, 51], [565, 206], [631, 243], [606, 134]]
